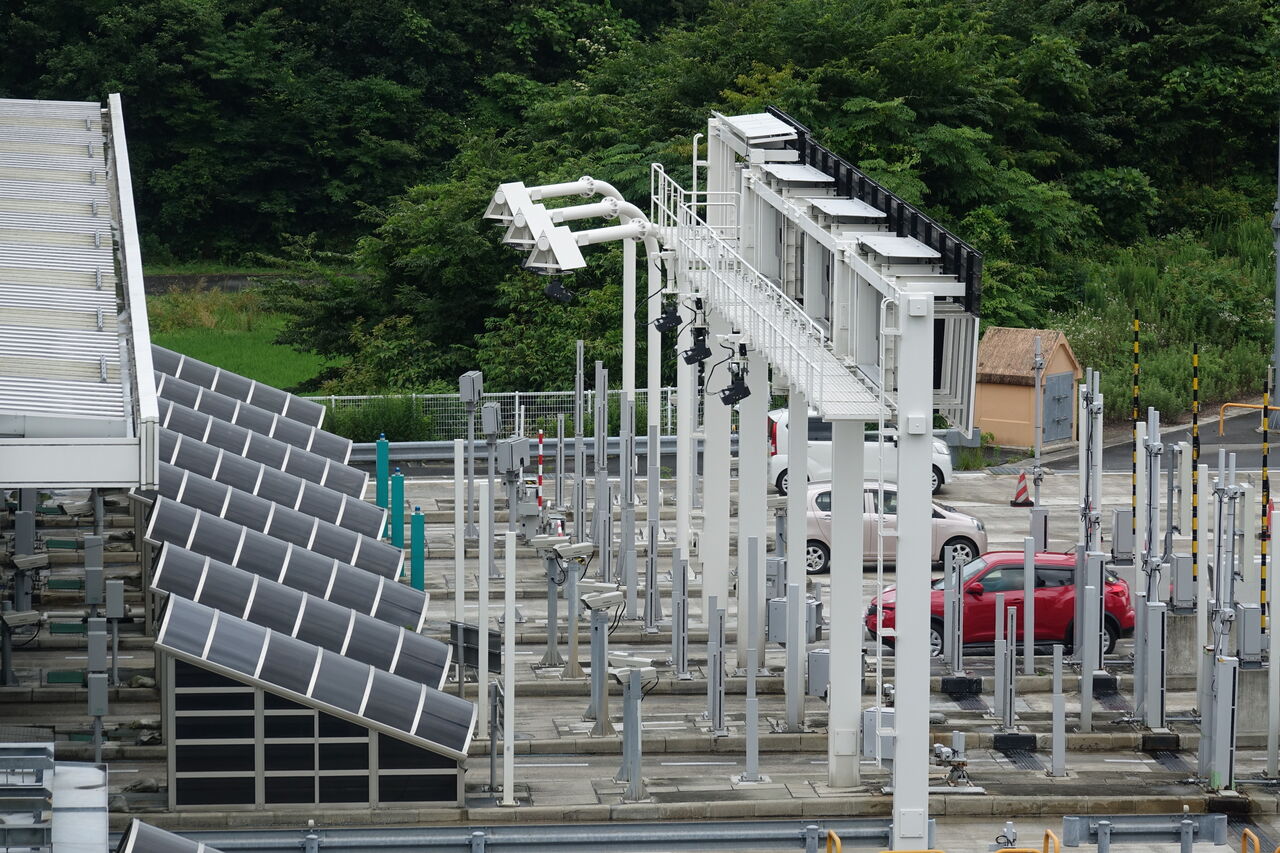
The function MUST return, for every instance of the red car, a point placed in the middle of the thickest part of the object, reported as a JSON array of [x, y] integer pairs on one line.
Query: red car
[[1002, 571]]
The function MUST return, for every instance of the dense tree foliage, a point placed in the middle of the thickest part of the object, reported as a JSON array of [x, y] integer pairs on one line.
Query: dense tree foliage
[[1103, 155]]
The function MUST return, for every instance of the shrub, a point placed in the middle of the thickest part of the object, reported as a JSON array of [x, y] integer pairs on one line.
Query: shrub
[[400, 418]]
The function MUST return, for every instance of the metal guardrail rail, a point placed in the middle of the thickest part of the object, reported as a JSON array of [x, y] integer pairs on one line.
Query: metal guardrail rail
[[776, 324], [441, 451], [872, 833]]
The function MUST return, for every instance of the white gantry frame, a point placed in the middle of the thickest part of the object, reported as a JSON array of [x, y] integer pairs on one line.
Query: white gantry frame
[[836, 292]]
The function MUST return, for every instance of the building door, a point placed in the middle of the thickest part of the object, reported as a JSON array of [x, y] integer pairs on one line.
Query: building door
[[1059, 399]]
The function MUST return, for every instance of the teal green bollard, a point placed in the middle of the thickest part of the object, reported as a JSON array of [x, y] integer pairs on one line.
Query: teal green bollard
[[418, 548], [397, 508]]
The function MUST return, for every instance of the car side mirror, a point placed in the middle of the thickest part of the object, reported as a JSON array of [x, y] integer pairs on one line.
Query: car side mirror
[[975, 589]]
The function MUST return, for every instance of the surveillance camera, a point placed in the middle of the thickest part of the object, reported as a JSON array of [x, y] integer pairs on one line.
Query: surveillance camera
[[546, 544], [622, 675], [596, 586], [575, 550], [602, 600], [19, 618], [777, 502], [627, 659]]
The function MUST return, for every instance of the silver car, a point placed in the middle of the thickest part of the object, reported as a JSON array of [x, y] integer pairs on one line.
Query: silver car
[[955, 530]]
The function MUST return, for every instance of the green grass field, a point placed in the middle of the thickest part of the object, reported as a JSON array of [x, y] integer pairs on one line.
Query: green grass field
[[232, 331]]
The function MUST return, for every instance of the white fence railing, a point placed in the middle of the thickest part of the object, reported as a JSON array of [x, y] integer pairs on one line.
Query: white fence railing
[[523, 412]]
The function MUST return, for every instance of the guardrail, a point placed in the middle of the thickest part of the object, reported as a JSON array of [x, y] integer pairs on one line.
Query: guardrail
[[442, 451], [1222, 412]]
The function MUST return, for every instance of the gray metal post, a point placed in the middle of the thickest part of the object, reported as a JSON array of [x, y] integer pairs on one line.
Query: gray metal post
[[494, 711], [551, 657], [1155, 668], [999, 692], [626, 471], [99, 513], [715, 664], [572, 666], [1087, 666], [24, 544], [1040, 527], [794, 678], [950, 591], [1140, 652], [609, 570], [559, 485], [492, 441], [1058, 762], [603, 506], [579, 453], [633, 731], [679, 615], [1011, 669], [1223, 729], [600, 674], [472, 531], [1029, 606], [754, 645], [115, 612], [1104, 836], [652, 598], [1186, 836]]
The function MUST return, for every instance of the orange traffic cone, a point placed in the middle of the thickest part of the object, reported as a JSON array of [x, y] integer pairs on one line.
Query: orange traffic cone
[[1020, 496]]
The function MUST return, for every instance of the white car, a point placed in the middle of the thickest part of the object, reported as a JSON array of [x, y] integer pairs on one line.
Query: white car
[[877, 463]]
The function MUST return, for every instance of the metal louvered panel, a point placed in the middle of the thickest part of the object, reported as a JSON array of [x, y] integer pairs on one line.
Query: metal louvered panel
[[319, 679]]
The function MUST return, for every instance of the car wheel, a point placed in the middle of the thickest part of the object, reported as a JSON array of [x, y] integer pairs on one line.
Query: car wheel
[[1113, 636], [935, 639], [964, 549], [817, 557], [936, 484], [781, 482]]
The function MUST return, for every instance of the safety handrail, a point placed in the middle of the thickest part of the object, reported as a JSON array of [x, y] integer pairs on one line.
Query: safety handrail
[[1223, 411], [1050, 835], [833, 842], [1247, 836]]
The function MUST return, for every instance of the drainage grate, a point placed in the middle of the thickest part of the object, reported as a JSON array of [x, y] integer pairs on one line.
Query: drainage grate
[[1113, 702], [969, 703], [1023, 760], [1171, 761], [1235, 825]]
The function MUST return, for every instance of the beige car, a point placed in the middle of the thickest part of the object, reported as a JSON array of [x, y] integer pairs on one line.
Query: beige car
[[964, 534]]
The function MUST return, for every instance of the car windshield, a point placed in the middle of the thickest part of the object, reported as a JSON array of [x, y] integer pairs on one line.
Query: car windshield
[[967, 573]]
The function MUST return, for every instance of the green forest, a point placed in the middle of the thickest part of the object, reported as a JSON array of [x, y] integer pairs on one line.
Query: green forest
[[1105, 156]]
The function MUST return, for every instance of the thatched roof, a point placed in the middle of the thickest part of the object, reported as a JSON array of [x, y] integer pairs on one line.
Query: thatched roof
[[1005, 355]]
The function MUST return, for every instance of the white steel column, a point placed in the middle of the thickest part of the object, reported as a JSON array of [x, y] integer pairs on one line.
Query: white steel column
[[911, 656], [844, 696], [482, 616], [797, 486], [686, 422], [459, 538], [753, 472], [653, 363], [713, 546], [629, 318]]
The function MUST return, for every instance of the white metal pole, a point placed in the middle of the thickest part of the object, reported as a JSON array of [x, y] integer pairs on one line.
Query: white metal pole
[[459, 539], [844, 696], [629, 317], [1202, 569], [1028, 606], [713, 546], [484, 497], [915, 504], [509, 675], [653, 357], [686, 423], [793, 682], [753, 471], [798, 486]]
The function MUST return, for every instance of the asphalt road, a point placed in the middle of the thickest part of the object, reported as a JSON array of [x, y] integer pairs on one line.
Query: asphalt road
[[1241, 437]]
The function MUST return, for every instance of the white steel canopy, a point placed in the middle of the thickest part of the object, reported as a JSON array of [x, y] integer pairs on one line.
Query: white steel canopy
[[77, 396]]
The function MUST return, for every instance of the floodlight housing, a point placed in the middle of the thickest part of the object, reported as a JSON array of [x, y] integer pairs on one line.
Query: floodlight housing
[[557, 292], [699, 352], [670, 318], [737, 390], [555, 250]]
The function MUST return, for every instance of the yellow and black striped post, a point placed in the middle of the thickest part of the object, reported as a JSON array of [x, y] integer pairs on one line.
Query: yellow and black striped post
[[1195, 461], [1266, 502], [1133, 477]]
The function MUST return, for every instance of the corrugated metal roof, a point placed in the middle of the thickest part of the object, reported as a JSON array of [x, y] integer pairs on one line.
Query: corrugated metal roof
[[60, 342]]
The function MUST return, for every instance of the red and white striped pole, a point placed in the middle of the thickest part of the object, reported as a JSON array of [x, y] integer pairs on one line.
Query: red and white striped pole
[[540, 470]]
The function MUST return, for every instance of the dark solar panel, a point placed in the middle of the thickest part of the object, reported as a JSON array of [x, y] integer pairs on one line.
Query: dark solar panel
[[238, 387], [140, 837]]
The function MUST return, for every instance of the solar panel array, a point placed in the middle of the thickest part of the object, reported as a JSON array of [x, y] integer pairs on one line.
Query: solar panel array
[[243, 441], [274, 400], [236, 545], [261, 421], [301, 615], [277, 486], [325, 680], [273, 565], [279, 522]]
